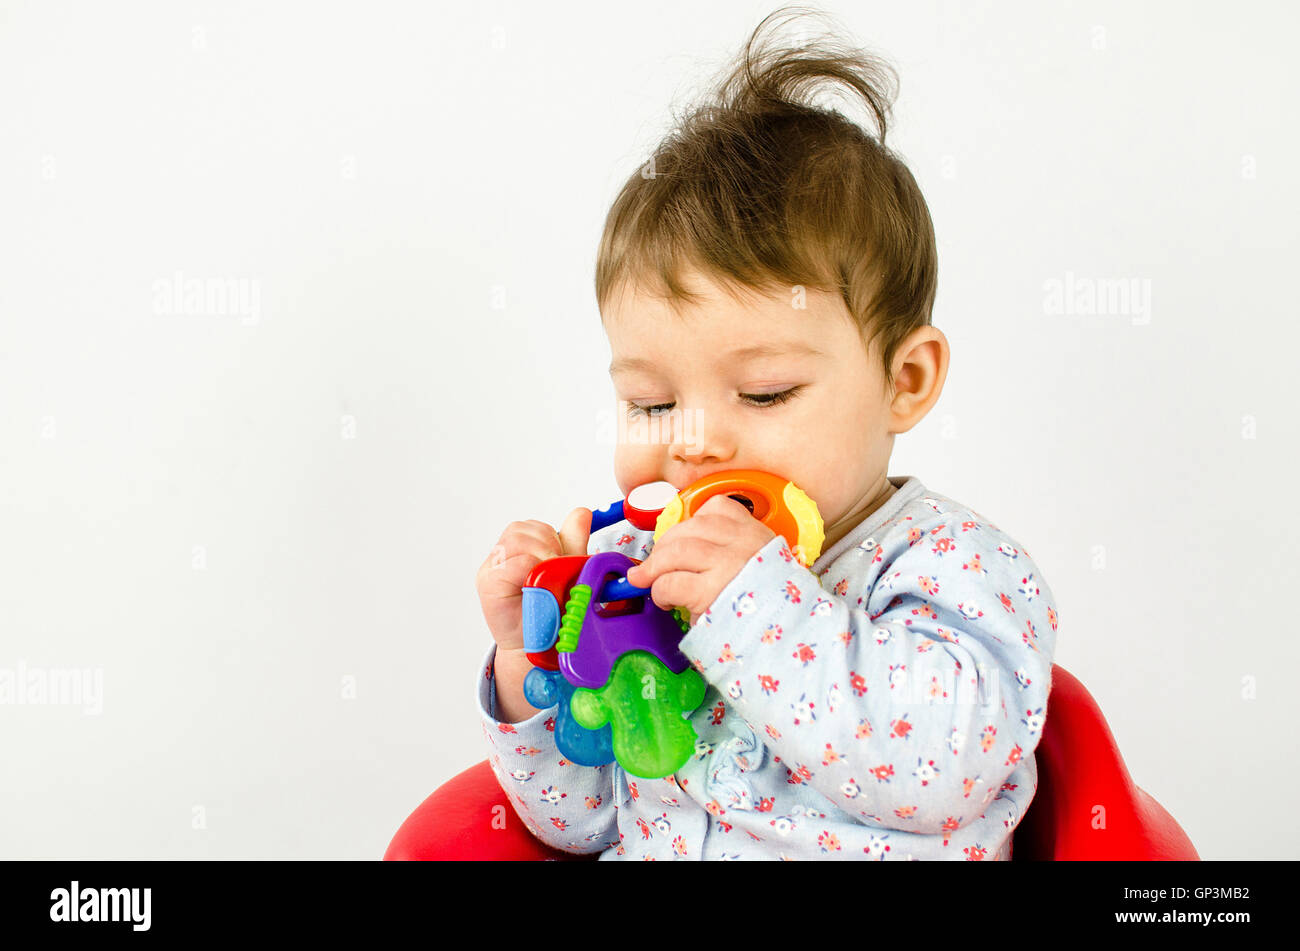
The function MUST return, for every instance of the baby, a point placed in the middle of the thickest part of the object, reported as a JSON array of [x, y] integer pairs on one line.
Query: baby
[[769, 279]]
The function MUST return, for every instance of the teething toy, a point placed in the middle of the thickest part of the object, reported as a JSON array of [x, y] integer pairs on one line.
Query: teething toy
[[607, 634], [643, 519], [548, 688], [614, 668], [777, 503], [544, 590], [644, 703]]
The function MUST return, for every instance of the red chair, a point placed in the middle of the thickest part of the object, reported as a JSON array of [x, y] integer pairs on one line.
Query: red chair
[[1079, 770]]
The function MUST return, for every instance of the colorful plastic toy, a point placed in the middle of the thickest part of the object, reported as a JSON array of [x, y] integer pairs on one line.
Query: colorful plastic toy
[[776, 502], [544, 592], [592, 638], [578, 744], [643, 519], [623, 688], [646, 704], [628, 672], [545, 589]]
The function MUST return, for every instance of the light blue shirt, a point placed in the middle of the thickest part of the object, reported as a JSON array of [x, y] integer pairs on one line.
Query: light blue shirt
[[884, 704]]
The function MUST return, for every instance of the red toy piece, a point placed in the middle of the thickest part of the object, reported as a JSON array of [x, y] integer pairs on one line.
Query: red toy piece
[[555, 575]]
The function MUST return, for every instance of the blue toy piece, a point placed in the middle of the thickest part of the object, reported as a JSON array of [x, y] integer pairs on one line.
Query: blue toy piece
[[620, 589], [541, 619], [547, 688], [603, 518]]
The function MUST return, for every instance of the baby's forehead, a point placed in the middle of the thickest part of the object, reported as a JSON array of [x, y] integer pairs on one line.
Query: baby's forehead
[[728, 336], [801, 316], [723, 324], [724, 358]]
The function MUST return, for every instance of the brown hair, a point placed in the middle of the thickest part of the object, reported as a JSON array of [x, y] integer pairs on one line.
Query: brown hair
[[758, 189]]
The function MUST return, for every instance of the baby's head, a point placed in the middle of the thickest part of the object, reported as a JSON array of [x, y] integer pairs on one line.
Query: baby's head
[[766, 283]]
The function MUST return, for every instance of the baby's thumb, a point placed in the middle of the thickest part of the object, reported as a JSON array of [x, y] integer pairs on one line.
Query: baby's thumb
[[575, 531]]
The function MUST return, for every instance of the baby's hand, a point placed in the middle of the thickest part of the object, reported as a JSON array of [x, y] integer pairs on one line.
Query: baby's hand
[[695, 559], [501, 577]]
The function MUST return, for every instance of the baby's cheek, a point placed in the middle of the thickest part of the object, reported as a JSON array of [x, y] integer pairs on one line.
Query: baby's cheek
[[635, 465], [835, 488]]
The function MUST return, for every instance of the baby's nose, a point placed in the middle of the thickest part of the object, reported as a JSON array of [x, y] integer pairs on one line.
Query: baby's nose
[[703, 440]]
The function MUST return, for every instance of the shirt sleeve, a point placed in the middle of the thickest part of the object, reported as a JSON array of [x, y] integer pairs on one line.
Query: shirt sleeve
[[567, 806], [909, 702]]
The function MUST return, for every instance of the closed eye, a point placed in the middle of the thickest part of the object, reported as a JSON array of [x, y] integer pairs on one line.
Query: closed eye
[[758, 400]]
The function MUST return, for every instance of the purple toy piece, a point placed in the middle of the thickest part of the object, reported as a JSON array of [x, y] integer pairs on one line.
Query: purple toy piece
[[605, 638]]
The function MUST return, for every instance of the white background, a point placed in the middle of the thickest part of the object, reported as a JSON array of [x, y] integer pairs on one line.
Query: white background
[[230, 517]]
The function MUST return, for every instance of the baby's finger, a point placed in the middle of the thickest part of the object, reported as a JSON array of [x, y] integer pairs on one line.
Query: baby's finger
[[674, 589], [575, 532], [534, 529], [507, 575], [725, 506], [512, 548], [692, 553]]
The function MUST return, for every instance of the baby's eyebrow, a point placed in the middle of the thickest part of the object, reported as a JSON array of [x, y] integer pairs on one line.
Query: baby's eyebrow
[[739, 355]]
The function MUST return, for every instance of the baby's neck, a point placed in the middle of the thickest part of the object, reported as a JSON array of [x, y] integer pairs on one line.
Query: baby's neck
[[873, 499]]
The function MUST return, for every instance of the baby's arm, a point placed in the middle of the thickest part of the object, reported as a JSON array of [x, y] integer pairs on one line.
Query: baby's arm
[[509, 669], [910, 705], [566, 806]]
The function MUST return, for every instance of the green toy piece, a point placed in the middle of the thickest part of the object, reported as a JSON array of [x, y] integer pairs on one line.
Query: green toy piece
[[575, 612], [643, 701]]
